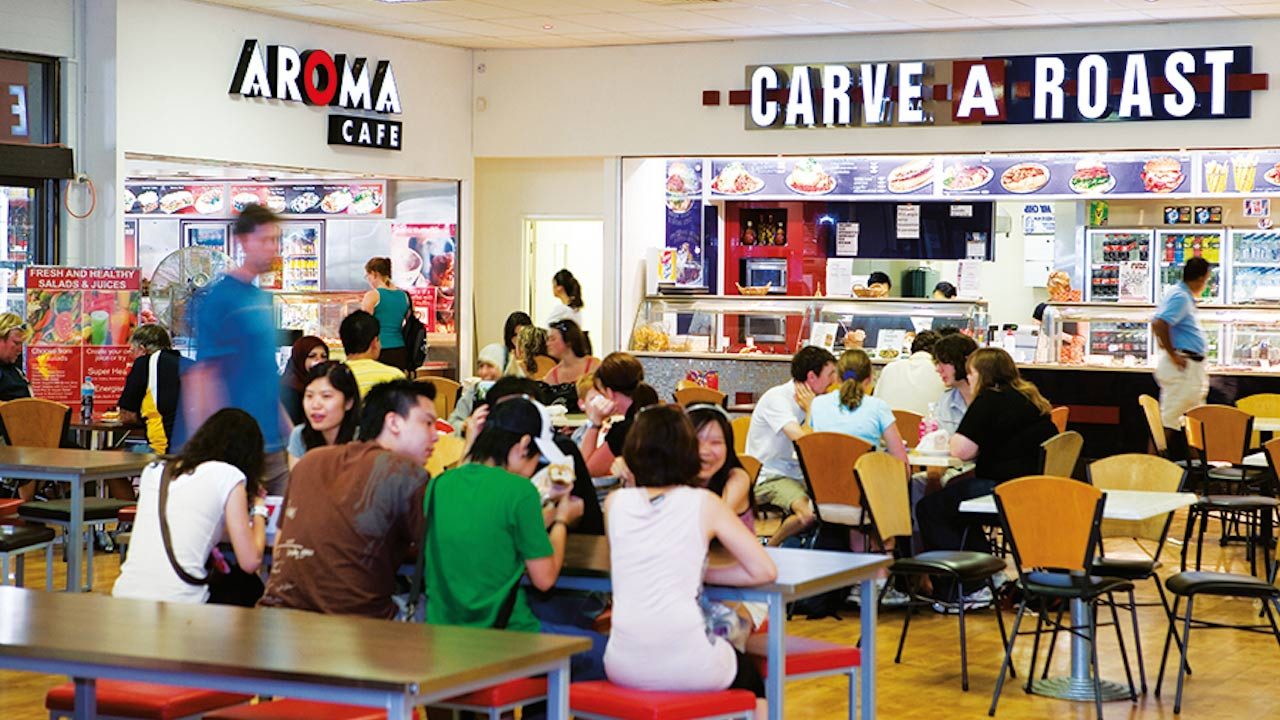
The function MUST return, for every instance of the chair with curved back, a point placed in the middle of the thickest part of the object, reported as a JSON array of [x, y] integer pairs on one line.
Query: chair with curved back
[[1052, 524], [544, 365], [1227, 432], [1059, 415], [752, 466], [447, 392], [741, 426], [1151, 411], [1060, 453], [827, 460], [908, 426], [446, 454], [1260, 405], [685, 397], [883, 480]]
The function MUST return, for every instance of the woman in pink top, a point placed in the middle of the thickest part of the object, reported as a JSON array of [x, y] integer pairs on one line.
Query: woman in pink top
[[659, 533], [722, 473]]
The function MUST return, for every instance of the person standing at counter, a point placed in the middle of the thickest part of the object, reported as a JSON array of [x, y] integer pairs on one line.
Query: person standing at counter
[[878, 286], [776, 423], [1180, 371], [308, 352], [236, 347], [944, 291], [389, 305]]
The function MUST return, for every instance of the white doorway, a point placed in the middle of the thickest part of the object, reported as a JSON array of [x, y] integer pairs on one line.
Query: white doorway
[[578, 245]]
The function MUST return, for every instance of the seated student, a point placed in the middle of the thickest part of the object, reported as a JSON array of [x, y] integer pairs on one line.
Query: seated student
[[776, 423], [486, 527], [331, 401], [531, 345], [212, 485], [567, 344], [912, 383], [353, 512], [488, 370], [359, 333], [721, 471], [951, 360], [619, 384], [1002, 431], [510, 335], [308, 352], [851, 409], [659, 534]]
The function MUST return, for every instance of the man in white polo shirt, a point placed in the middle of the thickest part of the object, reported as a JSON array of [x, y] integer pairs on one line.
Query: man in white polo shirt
[[777, 422]]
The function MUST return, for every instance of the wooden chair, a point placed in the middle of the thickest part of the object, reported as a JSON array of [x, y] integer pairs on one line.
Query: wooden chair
[[1151, 411], [1059, 416], [908, 426], [693, 395], [752, 466], [1148, 473], [1052, 524], [1260, 405], [446, 454], [884, 481], [544, 365], [741, 426], [1226, 435], [1060, 453], [32, 422], [827, 460], [447, 392]]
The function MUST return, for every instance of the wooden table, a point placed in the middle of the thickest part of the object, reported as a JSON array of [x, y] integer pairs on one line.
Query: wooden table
[[1266, 424], [290, 653], [99, 433], [930, 460], [1120, 505], [801, 574], [76, 468], [571, 420]]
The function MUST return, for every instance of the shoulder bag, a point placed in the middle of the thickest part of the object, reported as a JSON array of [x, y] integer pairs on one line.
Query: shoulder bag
[[415, 336]]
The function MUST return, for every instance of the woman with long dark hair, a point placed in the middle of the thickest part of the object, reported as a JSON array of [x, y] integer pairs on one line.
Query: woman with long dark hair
[[308, 352], [506, 349], [568, 345], [568, 291], [721, 471], [213, 484], [332, 410]]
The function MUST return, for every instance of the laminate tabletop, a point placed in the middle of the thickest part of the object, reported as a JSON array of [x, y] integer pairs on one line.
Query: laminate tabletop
[[264, 644], [1120, 505], [14, 460]]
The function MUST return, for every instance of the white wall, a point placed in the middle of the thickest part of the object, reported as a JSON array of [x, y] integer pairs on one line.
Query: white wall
[[647, 100], [39, 27]]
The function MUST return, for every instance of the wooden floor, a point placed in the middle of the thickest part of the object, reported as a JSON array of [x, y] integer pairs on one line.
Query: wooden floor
[[1237, 674]]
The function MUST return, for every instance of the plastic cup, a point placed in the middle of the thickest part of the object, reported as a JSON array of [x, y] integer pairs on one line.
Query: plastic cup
[[98, 327]]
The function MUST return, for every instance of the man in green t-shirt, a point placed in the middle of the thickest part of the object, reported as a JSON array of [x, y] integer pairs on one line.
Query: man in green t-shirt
[[486, 528]]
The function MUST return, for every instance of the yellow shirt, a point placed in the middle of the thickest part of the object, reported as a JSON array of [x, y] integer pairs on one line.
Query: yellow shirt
[[371, 372]]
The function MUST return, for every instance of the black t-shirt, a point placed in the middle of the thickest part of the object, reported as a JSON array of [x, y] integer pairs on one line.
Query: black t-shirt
[[1008, 430], [168, 386], [592, 522], [13, 383]]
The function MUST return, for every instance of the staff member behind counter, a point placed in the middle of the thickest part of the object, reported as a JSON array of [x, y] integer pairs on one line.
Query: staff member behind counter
[[864, 331]]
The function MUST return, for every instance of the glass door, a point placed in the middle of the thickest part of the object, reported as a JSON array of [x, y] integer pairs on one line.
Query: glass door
[[19, 222]]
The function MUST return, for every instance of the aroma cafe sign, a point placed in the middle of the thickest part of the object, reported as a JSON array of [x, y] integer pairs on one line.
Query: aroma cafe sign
[[316, 77], [1169, 84]]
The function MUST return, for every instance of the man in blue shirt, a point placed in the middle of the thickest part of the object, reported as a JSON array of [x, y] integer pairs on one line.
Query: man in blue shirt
[[236, 345], [1180, 371]]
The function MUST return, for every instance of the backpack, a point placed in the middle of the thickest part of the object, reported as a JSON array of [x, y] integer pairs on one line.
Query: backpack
[[415, 336]]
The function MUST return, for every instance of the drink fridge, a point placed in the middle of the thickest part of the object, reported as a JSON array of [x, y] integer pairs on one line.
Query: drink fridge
[[1119, 265], [1255, 264], [298, 264], [1176, 247]]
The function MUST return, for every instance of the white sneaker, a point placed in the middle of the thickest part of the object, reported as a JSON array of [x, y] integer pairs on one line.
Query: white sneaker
[[976, 600], [895, 598]]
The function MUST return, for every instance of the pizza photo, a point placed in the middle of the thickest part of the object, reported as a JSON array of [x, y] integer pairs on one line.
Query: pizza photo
[[1025, 177]]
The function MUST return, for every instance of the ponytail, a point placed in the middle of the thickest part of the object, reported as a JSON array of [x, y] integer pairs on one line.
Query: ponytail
[[854, 367], [571, 286]]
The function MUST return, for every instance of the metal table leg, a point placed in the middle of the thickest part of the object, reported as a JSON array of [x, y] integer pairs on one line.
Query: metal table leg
[[777, 678], [86, 707], [558, 691], [398, 708], [1079, 685], [75, 537], [870, 601]]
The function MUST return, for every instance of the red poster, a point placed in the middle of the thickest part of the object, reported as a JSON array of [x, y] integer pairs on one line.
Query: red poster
[[80, 319], [424, 306]]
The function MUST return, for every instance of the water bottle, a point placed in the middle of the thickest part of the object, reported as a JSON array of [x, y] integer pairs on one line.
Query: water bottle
[[929, 422], [86, 399]]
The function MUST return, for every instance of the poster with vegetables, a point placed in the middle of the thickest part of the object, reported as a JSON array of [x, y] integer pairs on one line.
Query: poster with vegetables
[[80, 320]]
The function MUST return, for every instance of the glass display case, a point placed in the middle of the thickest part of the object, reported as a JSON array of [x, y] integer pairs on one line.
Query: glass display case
[[1241, 338], [745, 325], [315, 313]]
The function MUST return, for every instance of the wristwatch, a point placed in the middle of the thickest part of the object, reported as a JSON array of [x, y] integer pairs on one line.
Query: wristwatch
[[259, 510]]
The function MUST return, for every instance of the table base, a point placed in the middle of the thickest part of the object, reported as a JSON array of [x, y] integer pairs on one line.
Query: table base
[[1070, 688]]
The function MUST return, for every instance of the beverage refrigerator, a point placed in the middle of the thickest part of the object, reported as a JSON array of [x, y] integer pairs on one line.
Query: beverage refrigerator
[[1119, 265], [1176, 247], [1255, 265]]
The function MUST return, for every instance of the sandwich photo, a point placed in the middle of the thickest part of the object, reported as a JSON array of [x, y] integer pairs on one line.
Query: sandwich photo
[[1092, 177], [1162, 175], [911, 176], [1026, 177]]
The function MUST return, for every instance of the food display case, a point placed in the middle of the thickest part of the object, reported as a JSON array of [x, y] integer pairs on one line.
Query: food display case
[[749, 340], [1176, 247], [1119, 265], [1241, 338], [1255, 263], [314, 313]]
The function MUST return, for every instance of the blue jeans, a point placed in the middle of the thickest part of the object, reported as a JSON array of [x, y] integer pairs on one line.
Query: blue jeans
[[572, 613]]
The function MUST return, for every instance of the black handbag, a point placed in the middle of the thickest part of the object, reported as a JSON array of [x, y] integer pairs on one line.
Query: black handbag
[[234, 587]]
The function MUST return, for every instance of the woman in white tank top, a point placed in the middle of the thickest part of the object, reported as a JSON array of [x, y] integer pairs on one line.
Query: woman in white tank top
[[659, 533]]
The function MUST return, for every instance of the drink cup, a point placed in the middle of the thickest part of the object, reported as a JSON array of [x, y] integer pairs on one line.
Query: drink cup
[[98, 327]]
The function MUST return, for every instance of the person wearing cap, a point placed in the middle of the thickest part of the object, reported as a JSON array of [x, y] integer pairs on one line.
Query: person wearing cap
[[488, 370], [353, 512], [13, 382], [487, 527]]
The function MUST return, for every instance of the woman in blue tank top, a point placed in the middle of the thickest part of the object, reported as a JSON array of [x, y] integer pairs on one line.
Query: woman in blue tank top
[[388, 304]]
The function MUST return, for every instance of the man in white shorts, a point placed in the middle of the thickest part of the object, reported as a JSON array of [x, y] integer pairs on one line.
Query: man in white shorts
[[1180, 371]]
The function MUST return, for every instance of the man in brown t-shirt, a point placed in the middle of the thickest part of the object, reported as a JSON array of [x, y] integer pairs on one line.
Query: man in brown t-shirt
[[353, 513]]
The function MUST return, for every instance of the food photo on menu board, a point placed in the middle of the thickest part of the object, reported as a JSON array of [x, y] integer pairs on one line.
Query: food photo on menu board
[[684, 185], [330, 199], [1082, 175], [423, 256], [1241, 172], [172, 199], [822, 176]]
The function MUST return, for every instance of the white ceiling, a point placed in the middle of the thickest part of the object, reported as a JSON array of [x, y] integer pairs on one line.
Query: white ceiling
[[584, 23]]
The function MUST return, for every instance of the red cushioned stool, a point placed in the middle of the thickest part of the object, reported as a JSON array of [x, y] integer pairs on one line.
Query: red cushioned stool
[[142, 701], [298, 710], [605, 701], [127, 514], [9, 506], [497, 699], [811, 659]]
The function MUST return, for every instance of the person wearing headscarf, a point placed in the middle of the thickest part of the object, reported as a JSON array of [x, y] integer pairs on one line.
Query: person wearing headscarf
[[308, 352]]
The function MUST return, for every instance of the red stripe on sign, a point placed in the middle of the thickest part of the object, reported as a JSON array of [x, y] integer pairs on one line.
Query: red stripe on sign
[[710, 97], [1095, 414], [739, 97], [1238, 82]]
